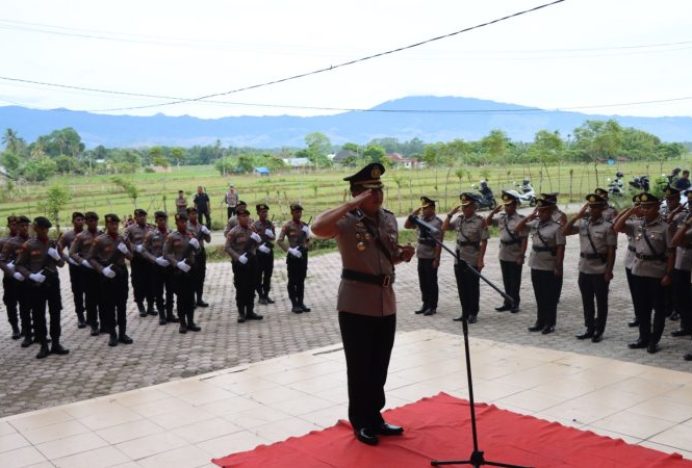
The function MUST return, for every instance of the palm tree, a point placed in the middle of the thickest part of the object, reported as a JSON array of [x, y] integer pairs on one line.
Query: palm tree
[[11, 140]]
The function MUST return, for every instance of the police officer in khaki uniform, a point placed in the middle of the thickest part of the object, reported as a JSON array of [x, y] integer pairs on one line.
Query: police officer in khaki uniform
[[556, 214], [512, 248], [609, 212], [428, 254], [162, 271], [298, 234], [597, 244], [265, 253], [672, 213], [202, 234], [367, 238], [80, 254], [652, 269], [233, 220], [76, 280], [683, 264], [629, 255], [545, 261], [38, 262], [9, 296], [16, 286], [241, 246], [472, 240], [142, 271]]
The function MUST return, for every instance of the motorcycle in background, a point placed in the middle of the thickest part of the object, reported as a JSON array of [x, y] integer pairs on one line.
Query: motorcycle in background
[[616, 186], [526, 195], [486, 199], [640, 183]]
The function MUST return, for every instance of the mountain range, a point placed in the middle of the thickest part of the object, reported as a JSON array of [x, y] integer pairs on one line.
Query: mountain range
[[425, 117]]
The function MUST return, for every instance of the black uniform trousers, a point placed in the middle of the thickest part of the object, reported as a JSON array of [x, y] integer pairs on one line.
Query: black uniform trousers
[[245, 282], [590, 286], [297, 271], [204, 215], [77, 286], [48, 293], [162, 278], [546, 288], [368, 345], [469, 289], [199, 273], [649, 296], [184, 294], [141, 280], [427, 279], [92, 289], [511, 278], [9, 298], [230, 212], [265, 267], [628, 274], [16, 294], [682, 297], [114, 301]]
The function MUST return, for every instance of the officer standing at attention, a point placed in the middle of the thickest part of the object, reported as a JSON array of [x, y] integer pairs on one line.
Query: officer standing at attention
[[652, 269], [683, 264], [230, 199], [201, 202], [38, 261], [545, 261], [241, 245], [512, 248], [265, 253], [16, 290], [298, 234], [200, 234], [141, 268], [556, 214], [428, 254], [233, 220], [162, 272], [672, 213], [179, 250], [597, 243], [181, 202], [609, 212], [367, 239], [80, 251], [472, 239], [107, 256], [629, 256], [76, 280], [9, 297]]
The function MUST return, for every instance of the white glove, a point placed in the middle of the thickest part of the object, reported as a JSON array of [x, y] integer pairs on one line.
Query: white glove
[[243, 259], [139, 248], [37, 277], [18, 276], [183, 266], [54, 253], [255, 237], [86, 264], [306, 229], [269, 233], [162, 262], [71, 261], [194, 243], [10, 266], [264, 249], [205, 230], [108, 272], [123, 248], [295, 252]]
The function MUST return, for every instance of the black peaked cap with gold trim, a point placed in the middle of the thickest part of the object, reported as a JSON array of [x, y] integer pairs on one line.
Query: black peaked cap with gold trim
[[368, 177]]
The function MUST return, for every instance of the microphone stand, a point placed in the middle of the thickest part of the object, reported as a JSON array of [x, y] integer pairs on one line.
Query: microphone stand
[[477, 458]]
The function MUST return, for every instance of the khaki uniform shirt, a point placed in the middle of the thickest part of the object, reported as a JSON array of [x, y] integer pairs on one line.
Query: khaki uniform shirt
[[231, 199], [81, 246], [181, 204], [545, 235], [602, 236], [470, 233], [67, 239], [510, 239], [153, 244], [609, 213], [260, 228], [176, 249], [360, 252], [296, 233], [135, 235], [10, 251], [629, 232], [239, 242], [196, 231], [683, 254], [558, 216], [426, 245], [653, 265], [104, 251], [33, 257], [233, 222]]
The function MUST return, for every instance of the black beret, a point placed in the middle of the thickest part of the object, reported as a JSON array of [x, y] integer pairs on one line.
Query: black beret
[[296, 206], [242, 212], [261, 206], [112, 218], [160, 214], [23, 219], [140, 212], [42, 222], [91, 215], [77, 214], [181, 217], [11, 219]]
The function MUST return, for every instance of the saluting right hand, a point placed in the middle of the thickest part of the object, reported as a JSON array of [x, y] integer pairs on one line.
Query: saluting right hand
[[356, 201]]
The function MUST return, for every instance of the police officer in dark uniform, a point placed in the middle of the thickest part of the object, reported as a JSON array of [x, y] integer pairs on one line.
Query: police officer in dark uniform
[[597, 242], [201, 234], [16, 291], [265, 253], [652, 269], [367, 238], [472, 240], [428, 254], [9, 296], [107, 256], [141, 268], [38, 261], [298, 234], [80, 249], [76, 280], [162, 273]]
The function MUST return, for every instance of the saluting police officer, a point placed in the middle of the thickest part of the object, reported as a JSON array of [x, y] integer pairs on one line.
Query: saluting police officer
[[298, 234], [80, 251], [141, 268], [597, 243], [428, 254], [241, 245], [162, 271], [16, 287], [107, 256], [179, 249], [683, 264], [512, 248], [472, 240], [199, 271], [652, 269], [367, 237], [545, 261], [76, 280], [9, 296], [629, 256], [38, 262], [265, 253], [556, 214], [609, 212]]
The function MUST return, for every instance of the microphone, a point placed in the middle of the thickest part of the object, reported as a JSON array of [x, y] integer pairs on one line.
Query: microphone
[[422, 224]]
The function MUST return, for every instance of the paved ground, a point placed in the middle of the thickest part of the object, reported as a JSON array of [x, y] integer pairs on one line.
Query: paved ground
[[160, 354]]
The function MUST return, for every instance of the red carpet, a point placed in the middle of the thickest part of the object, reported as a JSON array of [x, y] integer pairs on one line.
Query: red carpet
[[439, 428]]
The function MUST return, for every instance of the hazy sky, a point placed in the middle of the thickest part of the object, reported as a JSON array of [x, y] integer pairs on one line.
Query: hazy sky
[[576, 53]]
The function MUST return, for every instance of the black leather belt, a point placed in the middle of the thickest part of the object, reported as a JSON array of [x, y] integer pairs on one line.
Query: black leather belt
[[537, 248], [379, 280], [512, 242], [592, 256], [651, 258], [472, 244]]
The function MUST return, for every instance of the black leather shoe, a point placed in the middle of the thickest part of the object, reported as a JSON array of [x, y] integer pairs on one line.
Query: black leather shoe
[[297, 310], [305, 308], [269, 300], [597, 338], [503, 308], [27, 341], [16, 334], [254, 316], [193, 327], [202, 304], [387, 429], [514, 311], [585, 335], [113, 340], [633, 323], [57, 348], [183, 328], [142, 311], [43, 352], [262, 301], [652, 348], [151, 311], [80, 322], [687, 357], [548, 330], [472, 319], [124, 339], [163, 321], [421, 310], [172, 318], [678, 333], [536, 328], [95, 330], [430, 312], [639, 344], [366, 436]]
